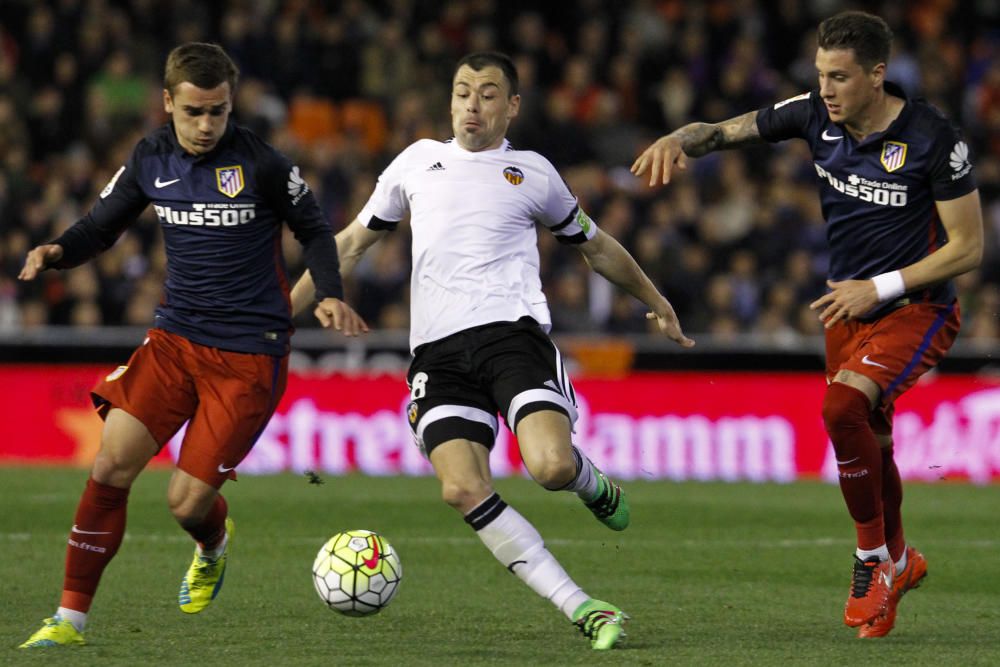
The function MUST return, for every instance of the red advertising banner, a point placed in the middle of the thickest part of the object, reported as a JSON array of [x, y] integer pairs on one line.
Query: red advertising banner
[[679, 426]]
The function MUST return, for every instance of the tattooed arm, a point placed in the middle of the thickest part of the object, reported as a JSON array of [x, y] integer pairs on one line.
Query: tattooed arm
[[670, 152]]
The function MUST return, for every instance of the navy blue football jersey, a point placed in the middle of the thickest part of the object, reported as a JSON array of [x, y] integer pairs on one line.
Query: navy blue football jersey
[[878, 195], [221, 214]]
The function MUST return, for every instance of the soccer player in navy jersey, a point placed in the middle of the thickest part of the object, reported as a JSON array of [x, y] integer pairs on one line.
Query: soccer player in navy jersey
[[903, 218], [217, 356]]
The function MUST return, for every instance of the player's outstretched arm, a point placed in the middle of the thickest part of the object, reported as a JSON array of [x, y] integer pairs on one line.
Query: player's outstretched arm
[[336, 314], [352, 242], [303, 293], [670, 152], [962, 219], [607, 257], [39, 259]]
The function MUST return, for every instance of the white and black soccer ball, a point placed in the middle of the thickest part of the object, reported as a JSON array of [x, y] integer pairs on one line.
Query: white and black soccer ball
[[357, 572]]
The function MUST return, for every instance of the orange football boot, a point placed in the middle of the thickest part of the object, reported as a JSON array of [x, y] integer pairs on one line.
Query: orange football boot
[[871, 585], [911, 577]]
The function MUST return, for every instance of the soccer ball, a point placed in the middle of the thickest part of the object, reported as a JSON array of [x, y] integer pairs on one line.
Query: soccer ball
[[357, 573]]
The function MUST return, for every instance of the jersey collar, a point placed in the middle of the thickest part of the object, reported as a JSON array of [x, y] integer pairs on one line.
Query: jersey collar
[[903, 118], [455, 146], [900, 121]]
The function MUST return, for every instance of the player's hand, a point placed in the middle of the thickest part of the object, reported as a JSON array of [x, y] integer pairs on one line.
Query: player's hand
[[670, 325], [39, 259], [335, 313], [661, 159], [847, 300]]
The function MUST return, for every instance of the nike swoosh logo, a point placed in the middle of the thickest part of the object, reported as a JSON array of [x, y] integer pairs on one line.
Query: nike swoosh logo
[[869, 362], [885, 579], [372, 563], [514, 565], [224, 469], [831, 137], [90, 532], [844, 463], [162, 184]]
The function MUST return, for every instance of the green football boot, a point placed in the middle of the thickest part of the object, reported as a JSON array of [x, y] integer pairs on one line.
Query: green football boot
[[204, 578], [609, 505], [55, 631], [601, 623]]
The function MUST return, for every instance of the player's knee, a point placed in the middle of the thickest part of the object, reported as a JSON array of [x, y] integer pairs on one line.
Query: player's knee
[[464, 495], [845, 409], [554, 472], [189, 509], [115, 470]]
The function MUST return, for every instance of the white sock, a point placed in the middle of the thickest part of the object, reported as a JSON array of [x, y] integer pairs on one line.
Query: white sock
[[901, 563], [519, 547], [586, 483], [882, 552], [212, 554], [77, 618]]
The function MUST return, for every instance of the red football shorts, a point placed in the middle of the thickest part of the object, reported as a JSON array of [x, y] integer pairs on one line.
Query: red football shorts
[[893, 351], [227, 396]]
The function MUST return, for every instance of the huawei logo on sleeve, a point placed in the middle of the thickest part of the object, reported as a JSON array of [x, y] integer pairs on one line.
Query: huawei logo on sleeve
[[959, 160], [297, 186]]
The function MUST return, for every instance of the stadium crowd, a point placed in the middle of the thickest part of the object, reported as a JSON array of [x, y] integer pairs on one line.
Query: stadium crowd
[[737, 243]]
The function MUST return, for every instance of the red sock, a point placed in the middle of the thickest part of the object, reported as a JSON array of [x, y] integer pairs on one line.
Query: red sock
[[212, 529], [98, 529], [892, 503], [859, 460]]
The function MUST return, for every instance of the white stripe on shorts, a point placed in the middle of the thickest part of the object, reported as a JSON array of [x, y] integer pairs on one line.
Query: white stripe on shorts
[[544, 395], [461, 411]]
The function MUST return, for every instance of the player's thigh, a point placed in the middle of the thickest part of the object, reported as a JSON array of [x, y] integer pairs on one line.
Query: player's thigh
[[526, 374], [893, 351], [237, 394], [126, 448], [447, 401], [155, 386], [544, 438]]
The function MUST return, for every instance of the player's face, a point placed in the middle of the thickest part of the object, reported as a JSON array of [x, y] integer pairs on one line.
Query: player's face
[[481, 109], [847, 88], [199, 115]]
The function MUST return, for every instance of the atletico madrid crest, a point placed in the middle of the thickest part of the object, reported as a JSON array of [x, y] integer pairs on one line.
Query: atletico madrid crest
[[893, 155], [229, 180]]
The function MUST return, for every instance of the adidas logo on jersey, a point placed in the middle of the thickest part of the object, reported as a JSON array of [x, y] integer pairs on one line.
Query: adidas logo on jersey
[[437, 166]]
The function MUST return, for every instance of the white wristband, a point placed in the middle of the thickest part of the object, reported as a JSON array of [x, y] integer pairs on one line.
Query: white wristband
[[889, 285]]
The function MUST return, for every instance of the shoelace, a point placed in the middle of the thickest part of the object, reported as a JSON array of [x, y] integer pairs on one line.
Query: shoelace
[[864, 575], [593, 621], [205, 570]]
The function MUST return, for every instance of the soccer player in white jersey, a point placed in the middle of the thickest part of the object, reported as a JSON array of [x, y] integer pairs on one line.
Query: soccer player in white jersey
[[479, 324]]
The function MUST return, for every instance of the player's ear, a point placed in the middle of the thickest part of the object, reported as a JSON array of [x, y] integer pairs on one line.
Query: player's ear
[[168, 102], [513, 106], [878, 75]]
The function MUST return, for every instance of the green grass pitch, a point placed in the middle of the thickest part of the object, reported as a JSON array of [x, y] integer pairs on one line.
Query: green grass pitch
[[712, 574]]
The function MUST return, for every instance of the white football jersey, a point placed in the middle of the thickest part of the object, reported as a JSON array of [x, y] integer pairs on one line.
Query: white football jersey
[[475, 248]]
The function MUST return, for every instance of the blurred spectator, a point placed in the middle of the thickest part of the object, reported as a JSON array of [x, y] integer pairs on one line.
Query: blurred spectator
[[737, 243]]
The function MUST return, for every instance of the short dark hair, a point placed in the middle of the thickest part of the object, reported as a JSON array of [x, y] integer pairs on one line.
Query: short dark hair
[[868, 35], [483, 59], [204, 65]]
